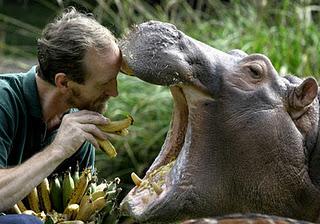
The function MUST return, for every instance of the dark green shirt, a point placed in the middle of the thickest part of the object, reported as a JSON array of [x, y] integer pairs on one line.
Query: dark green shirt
[[22, 131]]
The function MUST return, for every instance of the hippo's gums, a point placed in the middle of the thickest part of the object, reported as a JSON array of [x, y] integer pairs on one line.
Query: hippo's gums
[[243, 139]]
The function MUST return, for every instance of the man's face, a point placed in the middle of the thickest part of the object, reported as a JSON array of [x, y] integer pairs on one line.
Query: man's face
[[101, 81]]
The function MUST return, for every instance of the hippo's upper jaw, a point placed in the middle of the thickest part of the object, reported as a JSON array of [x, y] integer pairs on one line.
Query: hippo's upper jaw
[[240, 139]]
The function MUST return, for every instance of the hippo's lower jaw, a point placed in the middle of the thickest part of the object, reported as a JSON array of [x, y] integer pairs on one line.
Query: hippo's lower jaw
[[166, 191]]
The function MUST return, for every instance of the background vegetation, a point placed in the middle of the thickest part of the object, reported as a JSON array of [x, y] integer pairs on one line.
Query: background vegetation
[[286, 31]]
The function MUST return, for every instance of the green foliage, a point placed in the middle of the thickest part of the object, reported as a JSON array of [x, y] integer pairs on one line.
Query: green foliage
[[286, 31]]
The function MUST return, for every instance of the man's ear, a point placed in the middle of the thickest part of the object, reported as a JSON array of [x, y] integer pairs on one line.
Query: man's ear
[[61, 81], [304, 94]]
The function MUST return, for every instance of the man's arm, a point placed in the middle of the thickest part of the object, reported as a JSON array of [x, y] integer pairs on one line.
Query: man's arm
[[75, 129]]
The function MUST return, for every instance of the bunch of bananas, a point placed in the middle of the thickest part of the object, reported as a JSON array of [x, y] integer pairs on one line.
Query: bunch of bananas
[[72, 197], [77, 197], [114, 127]]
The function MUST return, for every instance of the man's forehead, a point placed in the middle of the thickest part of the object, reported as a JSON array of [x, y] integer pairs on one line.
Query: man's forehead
[[103, 65]]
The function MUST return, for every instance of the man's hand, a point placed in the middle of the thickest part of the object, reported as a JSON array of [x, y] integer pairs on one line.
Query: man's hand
[[78, 127]]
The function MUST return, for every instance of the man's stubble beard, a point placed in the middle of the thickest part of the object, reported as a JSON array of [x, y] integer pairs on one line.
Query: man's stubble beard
[[75, 102]]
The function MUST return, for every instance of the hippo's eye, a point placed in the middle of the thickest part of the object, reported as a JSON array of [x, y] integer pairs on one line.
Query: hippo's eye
[[256, 71]]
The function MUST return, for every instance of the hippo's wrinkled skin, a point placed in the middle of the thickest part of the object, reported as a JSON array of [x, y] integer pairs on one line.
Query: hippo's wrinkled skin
[[244, 138]]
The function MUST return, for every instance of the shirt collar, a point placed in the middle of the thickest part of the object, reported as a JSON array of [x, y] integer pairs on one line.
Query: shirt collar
[[31, 94]]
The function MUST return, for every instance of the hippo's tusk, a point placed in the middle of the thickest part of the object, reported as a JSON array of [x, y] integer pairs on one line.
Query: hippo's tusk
[[137, 181], [156, 188]]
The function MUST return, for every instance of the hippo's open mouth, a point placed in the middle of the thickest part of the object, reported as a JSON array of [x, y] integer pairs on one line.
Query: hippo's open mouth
[[167, 172], [152, 52]]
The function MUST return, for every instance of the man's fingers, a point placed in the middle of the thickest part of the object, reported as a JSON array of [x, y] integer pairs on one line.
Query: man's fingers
[[85, 112], [91, 139], [94, 130], [87, 118]]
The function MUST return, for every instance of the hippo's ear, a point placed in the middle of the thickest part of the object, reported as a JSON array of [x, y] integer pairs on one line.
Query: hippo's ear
[[304, 94]]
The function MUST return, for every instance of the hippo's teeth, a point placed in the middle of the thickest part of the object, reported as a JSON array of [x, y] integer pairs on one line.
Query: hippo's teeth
[[137, 181], [156, 188]]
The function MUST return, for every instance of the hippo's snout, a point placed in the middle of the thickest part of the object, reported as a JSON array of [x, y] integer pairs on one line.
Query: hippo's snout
[[160, 54]]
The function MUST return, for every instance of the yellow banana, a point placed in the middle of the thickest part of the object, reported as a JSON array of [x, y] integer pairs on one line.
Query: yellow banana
[[21, 206], [45, 195], [85, 199], [98, 194], [80, 187], [16, 209], [122, 132], [114, 126], [67, 188], [29, 212], [85, 211], [99, 203], [71, 211], [107, 147], [33, 199]]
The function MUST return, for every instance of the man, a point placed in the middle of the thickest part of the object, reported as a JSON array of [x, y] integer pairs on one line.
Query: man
[[78, 65]]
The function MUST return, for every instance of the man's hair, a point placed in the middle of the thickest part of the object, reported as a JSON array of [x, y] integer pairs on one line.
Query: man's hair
[[65, 41]]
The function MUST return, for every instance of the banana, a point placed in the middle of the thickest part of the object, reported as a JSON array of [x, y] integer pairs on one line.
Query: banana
[[98, 194], [29, 212], [56, 194], [99, 203], [122, 132], [71, 211], [67, 188], [21, 206], [80, 187], [33, 199], [45, 195], [114, 126], [16, 209], [85, 211], [136, 179], [85, 199], [107, 147]]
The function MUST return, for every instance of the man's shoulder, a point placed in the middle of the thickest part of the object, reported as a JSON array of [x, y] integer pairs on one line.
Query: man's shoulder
[[10, 80], [11, 86]]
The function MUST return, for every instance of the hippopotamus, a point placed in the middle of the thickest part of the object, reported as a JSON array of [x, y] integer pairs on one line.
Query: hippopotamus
[[242, 139]]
